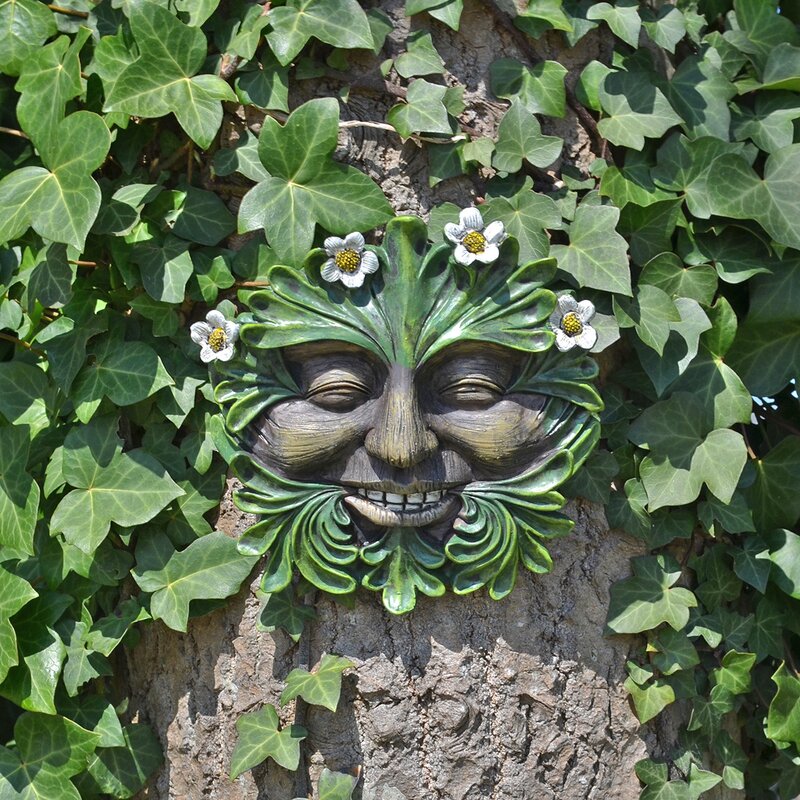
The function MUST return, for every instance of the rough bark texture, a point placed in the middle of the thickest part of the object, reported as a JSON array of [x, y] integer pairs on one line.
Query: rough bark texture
[[465, 697]]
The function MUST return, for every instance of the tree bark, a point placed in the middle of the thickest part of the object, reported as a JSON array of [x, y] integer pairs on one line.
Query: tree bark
[[464, 698]]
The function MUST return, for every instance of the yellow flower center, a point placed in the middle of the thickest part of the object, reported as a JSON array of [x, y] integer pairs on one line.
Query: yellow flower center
[[347, 260], [571, 324], [475, 242], [217, 339]]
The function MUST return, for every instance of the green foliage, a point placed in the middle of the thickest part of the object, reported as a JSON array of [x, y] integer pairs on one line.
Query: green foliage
[[116, 197], [321, 687]]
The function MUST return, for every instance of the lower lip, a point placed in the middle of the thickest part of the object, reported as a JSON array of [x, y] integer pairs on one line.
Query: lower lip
[[380, 515]]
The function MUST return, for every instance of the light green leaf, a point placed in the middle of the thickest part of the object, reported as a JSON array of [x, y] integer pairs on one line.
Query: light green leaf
[[423, 112], [760, 29], [25, 400], [24, 26], [784, 553], [420, 57], [264, 84], [60, 203], [623, 19], [540, 89], [783, 718], [19, 782], [650, 312], [519, 137], [666, 28], [650, 701], [649, 229], [306, 186], [336, 785], [163, 79], [260, 737], [15, 592], [596, 255], [19, 493], [341, 23], [668, 273], [165, 266], [131, 490], [734, 674], [209, 568], [672, 651], [525, 216], [447, 11], [635, 109], [55, 741], [770, 123], [321, 686], [649, 597]]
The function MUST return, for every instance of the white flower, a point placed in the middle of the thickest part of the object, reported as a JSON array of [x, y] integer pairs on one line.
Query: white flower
[[216, 337], [349, 262], [570, 322], [474, 242]]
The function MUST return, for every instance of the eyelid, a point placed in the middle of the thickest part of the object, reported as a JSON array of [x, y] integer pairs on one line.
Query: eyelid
[[336, 385], [471, 382]]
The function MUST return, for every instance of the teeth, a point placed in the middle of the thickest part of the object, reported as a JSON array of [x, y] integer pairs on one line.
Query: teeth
[[415, 501]]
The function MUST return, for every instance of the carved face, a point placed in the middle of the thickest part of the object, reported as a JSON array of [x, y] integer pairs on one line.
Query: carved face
[[402, 443], [406, 435]]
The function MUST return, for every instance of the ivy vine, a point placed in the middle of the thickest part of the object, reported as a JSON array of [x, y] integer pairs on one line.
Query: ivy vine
[[137, 137]]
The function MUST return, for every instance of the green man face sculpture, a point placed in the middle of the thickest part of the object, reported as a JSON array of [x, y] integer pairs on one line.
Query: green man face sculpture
[[407, 434]]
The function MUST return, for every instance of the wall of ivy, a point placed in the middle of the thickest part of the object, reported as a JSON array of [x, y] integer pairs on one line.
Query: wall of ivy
[[116, 186]]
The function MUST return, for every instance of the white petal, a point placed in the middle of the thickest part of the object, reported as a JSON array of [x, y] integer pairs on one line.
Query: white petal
[[495, 232], [566, 303], [586, 338], [226, 354], [555, 320], [353, 279], [200, 331], [207, 354], [455, 233], [354, 241], [330, 272], [471, 219], [489, 254], [333, 245], [585, 310], [231, 332], [564, 342], [462, 255], [369, 262], [215, 319]]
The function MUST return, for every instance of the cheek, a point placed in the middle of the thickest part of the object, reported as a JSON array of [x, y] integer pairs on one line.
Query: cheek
[[298, 436], [501, 438]]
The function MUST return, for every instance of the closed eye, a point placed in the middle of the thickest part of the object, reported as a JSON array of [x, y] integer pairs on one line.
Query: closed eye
[[472, 392], [340, 395]]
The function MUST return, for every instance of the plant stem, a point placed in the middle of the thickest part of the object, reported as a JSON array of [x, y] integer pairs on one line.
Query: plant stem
[[70, 12], [19, 343], [14, 132]]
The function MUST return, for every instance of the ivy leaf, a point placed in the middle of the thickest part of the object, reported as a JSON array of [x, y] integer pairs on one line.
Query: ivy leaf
[[50, 78], [766, 352], [650, 312], [321, 687], [282, 611], [596, 255], [773, 496], [420, 57], [210, 568], [650, 701], [770, 123], [447, 11], [28, 396], [15, 592], [423, 112], [760, 29], [61, 202], [55, 741], [734, 674], [163, 79], [635, 109], [336, 785], [649, 228], [672, 651], [540, 89], [123, 771], [260, 737], [665, 29], [306, 187], [784, 553], [525, 216], [519, 137], [131, 490], [783, 717], [165, 267], [667, 272], [623, 19], [649, 597], [18, 781], [24, 27], [341, 23], [19, 493]]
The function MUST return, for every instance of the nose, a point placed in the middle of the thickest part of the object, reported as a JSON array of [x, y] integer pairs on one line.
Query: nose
[[399, 435]]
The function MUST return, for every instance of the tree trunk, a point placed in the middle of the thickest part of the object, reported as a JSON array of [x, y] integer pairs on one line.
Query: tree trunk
[[464, 697]]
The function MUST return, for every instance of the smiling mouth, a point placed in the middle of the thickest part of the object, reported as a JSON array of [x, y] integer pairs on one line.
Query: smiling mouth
[[391, 509]]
